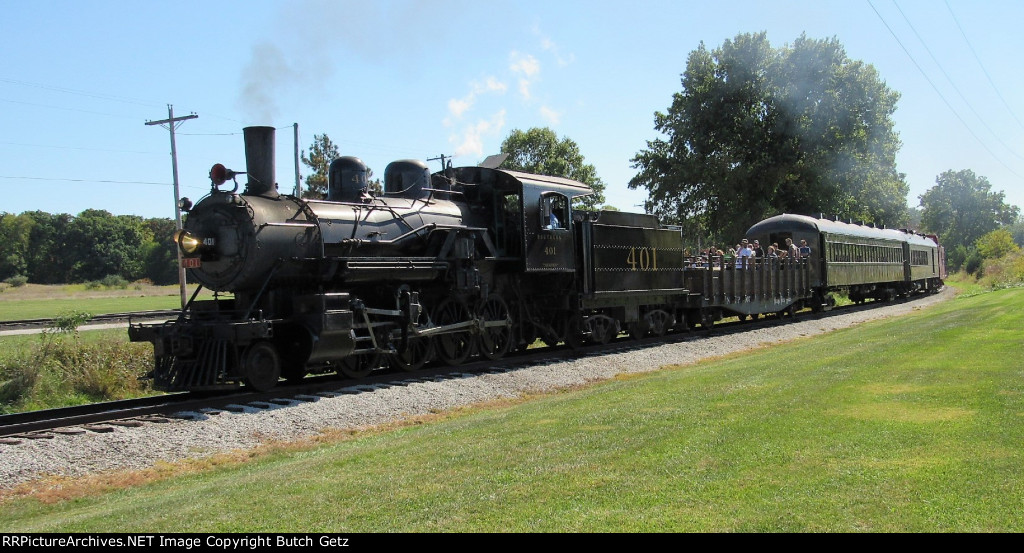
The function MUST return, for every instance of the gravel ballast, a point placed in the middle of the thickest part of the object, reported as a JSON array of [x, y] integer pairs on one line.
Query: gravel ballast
[[128, 448]]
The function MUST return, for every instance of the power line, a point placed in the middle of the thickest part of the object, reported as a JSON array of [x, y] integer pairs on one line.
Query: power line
[[103, 181], [64, 90], [100, 181], [937, 91], [78, 148], [209, 133], [953, 84], [65, 109], [983, 69], [86, 94]]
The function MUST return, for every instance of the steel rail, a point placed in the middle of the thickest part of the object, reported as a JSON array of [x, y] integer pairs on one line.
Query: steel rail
[[101, 318]]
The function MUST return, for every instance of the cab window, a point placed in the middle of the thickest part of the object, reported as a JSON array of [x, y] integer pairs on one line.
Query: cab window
[[554, 211]]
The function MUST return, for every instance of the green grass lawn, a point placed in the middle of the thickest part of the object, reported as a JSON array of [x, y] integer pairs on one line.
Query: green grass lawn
[[49, 308], [36, 301], [913, 424], [966, 285]]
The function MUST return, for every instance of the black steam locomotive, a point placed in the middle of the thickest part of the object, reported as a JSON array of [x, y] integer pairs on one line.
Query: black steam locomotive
[[466, 261]]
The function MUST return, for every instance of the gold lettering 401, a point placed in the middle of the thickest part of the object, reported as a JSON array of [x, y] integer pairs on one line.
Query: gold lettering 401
[[643, 259]]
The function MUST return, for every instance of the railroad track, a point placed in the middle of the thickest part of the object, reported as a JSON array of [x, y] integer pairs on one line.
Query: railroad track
[[103, 417], [95, 319], [80, 419]]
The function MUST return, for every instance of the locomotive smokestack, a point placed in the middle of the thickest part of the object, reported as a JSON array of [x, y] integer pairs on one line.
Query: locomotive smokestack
[[259, 161]]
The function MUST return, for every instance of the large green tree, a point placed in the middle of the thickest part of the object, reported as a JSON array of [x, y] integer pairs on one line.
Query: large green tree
[[161, 254], [102, 244], [961, 208], [15, 244], [758, 131], [540, 151], [50, 259], [321, 153]]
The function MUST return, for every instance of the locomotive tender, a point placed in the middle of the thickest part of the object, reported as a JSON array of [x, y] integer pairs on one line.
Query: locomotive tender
[[466, 261]]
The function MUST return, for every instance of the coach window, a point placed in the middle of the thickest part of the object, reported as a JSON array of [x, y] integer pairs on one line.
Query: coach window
[[554, 211]]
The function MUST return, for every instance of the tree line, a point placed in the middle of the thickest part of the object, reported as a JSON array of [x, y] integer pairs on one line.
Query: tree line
[[47, 248]]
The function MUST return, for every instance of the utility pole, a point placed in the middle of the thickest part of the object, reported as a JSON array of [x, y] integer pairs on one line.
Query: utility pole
[[298, 187], [443, 158], [170, 124]]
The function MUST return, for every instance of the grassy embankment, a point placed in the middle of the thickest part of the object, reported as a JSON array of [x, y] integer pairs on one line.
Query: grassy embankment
[[36, 301], [58, 369], [61, 369], [908, 425]]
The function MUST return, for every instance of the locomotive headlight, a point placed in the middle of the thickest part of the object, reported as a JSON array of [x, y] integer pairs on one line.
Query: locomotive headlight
[[187, 242]]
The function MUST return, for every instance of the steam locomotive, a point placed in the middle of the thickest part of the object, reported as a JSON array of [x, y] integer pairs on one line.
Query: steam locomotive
[[466, 261]]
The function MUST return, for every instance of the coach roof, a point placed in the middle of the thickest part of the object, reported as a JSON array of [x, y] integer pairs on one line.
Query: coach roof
[[791, 222]]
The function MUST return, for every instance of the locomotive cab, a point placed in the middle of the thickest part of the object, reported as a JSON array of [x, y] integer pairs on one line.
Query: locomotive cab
[[528, 215], [549, 242]]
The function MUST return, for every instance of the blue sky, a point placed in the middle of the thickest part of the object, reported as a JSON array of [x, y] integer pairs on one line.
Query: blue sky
[[417, 79]]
